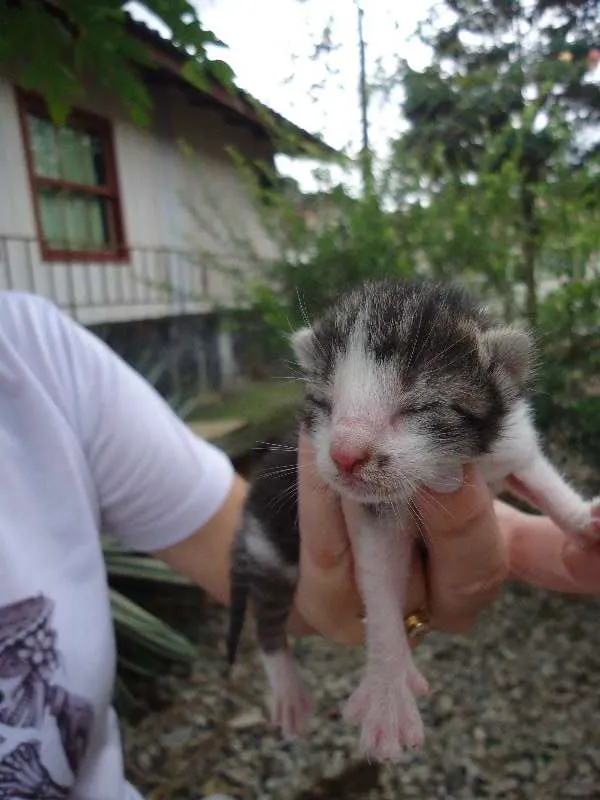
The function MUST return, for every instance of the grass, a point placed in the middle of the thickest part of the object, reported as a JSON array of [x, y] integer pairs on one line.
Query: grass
[[257, 412]]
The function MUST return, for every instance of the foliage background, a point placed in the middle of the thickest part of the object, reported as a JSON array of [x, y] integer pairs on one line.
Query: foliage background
[[495, 182], [493, 179]]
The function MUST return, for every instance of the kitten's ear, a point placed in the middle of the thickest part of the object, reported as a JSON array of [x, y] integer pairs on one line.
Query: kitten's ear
[[304, 346], [512, 349]]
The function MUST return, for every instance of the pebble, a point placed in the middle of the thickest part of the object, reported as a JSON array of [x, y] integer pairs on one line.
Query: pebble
[[513, 714]]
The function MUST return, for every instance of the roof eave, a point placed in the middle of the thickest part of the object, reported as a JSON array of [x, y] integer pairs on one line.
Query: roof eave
[[287, 138]]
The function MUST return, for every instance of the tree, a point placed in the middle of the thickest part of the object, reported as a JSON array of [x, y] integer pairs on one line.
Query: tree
[[53, 45], [516, 73]]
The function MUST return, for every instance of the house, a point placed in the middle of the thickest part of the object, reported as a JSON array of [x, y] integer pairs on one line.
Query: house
[[139, 233]]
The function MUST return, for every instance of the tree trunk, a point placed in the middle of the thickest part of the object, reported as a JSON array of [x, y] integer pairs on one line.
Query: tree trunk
[[530, 250]]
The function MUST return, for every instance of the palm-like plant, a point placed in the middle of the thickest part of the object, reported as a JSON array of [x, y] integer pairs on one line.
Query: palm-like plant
[[151, 642]]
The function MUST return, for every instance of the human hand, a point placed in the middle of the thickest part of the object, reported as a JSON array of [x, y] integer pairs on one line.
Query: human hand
[[465, 565], [543, 555]]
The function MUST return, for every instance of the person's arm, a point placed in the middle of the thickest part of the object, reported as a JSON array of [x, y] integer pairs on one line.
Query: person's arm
[[203, 557], [152, 481]]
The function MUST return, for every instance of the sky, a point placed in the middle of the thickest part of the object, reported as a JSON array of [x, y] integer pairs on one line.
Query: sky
[[270, 43]]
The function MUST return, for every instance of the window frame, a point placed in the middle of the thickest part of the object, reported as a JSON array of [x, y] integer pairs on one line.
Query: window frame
[[31, 102]]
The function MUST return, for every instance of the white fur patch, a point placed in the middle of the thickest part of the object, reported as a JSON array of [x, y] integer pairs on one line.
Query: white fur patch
[[363, 388], [516, 447], [260, 548]]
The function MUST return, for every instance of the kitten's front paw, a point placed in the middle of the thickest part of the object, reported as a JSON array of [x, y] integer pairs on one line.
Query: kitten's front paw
[[387, 713], [595, 518]]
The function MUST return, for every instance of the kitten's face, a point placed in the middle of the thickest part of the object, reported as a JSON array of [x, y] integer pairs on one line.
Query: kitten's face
[[403, 388]]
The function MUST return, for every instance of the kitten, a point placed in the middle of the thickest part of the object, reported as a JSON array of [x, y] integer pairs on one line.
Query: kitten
[[405, 383]]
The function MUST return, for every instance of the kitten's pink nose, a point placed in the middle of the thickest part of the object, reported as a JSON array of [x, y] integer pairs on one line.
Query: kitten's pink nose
[[347, 459]]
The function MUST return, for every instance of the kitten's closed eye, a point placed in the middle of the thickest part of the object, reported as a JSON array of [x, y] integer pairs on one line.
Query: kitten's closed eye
[[464, 413], [407, 411], [319, 401]]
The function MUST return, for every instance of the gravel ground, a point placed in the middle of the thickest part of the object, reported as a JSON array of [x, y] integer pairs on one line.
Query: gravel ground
[[513, 713]]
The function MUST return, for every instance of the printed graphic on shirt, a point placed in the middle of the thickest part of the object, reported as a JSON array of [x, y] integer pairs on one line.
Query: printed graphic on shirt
[[37, 716]]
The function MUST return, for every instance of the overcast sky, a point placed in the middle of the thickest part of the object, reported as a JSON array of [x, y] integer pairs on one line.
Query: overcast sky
[[270, 46]]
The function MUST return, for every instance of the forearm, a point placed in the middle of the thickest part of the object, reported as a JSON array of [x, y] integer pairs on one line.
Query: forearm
[[204, 556]]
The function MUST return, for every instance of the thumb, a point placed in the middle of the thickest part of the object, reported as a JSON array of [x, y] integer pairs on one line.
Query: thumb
[[327, 597], [324, 539], [583, 565]]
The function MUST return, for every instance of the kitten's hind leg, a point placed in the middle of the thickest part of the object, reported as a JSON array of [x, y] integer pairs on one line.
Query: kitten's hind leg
[[542, 485], [290, 702], [272, 587]]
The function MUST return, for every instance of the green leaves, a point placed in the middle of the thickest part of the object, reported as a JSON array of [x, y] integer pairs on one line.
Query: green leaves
[[221, 72], [123, 564], [146, 644], [55, 48], [148, 631]]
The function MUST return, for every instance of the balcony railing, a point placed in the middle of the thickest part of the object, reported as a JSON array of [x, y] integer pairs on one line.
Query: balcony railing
[[152, 282]]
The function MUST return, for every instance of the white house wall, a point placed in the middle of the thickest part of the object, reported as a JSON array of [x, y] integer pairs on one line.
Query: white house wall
[[188, 215]]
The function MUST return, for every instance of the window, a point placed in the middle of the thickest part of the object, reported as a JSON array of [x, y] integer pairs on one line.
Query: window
[[74, 184]]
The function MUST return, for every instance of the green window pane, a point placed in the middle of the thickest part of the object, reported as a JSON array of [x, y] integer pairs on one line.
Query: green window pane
[[79, 159], [52, 218], [74, 221], [66, 153], [43, 147]]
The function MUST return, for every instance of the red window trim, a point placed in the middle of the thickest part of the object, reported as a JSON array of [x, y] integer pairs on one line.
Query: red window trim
[[100, 126]]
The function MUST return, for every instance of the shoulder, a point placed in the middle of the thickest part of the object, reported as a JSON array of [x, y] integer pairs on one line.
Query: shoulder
[[26, 315], [12, 300], [37, 330], [47, 346]]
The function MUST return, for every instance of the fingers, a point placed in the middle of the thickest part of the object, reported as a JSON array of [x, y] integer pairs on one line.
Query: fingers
[[583, 566], [467, 555], [467, 558], [327, 599], [542, 555]]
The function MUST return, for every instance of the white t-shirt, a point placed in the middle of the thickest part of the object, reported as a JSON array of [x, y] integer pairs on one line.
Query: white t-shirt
[[85, 444]]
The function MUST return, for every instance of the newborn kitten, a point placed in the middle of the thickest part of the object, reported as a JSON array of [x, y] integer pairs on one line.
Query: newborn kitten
[[405, 383]]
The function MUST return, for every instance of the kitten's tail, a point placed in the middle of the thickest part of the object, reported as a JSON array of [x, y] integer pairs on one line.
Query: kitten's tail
[[240, 589]]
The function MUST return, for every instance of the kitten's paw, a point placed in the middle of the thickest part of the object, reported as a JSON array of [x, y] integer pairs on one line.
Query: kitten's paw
[[388, 716], [417, 683], [588, 532], [291, 712], [290, 701]]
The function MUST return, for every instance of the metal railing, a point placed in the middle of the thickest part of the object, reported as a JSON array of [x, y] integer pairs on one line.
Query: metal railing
[[152, 282]]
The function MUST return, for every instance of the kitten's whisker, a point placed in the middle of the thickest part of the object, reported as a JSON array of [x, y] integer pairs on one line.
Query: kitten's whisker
[[277, 446], [418, 331], [433, 501], [279, 500], [447, 349], [425, 341], [279, 473]]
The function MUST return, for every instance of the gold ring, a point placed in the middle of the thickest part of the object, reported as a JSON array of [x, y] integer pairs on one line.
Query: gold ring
[[417, 625]]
